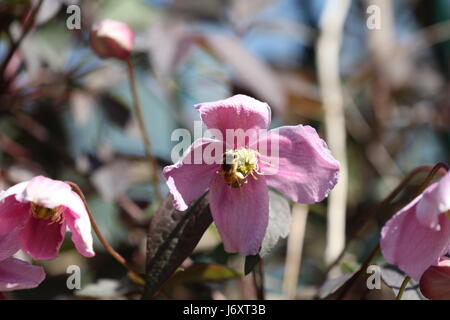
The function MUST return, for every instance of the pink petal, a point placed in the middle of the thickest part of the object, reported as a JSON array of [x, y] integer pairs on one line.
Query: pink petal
[[79, 224], [17, 274], [304, 170], [435, 282], [189, 178], [237, 112], [240, 214], [435, 200], [9, 244], [45, 192], [42, 239], [412, 246], [13, 214]]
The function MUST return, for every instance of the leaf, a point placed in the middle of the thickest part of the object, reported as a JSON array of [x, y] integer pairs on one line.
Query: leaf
[[250, 263], [172, 236], [279, 222], [199, 272]]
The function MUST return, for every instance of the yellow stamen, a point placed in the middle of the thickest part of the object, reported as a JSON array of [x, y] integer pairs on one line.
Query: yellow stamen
[[54, 214]]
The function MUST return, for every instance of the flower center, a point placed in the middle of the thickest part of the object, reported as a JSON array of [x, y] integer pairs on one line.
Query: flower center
[[447, 213], [237, 165], [54, 215]]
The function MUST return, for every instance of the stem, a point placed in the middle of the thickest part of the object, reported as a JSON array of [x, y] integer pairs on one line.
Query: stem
[[402, 288], [258, 279], [27, 27], [145, 136], [133, 275]]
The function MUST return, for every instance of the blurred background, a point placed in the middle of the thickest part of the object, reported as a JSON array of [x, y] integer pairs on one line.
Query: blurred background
[[67, 114]]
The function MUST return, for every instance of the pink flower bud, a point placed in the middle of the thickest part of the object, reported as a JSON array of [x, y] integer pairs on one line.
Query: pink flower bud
[[435, 282], [110, 38]]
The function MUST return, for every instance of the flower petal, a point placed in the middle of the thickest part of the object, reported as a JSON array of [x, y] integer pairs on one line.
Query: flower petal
[[412, 246], [45, 192], [435, 282], [191, 176], [304, 169], [42, 239], [13, 213], [237, 112], [240, 214], [79, 224], [435, 200], [9, 244], [16, 274]]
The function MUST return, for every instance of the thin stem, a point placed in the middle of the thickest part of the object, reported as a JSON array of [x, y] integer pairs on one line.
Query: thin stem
[[14, 45], [258, 279], [134, 275], [145, 136], [402, 288]]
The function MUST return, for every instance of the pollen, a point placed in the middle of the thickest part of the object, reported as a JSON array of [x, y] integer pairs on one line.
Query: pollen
[[238, 165], [54, 215]]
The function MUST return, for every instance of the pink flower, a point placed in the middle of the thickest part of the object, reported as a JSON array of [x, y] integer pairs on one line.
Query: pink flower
[[417, 236], [112, 39], [238, 180], [16, 274], [435, 282], [43, 208]]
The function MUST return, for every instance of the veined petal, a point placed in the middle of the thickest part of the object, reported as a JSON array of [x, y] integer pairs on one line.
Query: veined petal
[[237, 112], [412, 246], [191, 175], [13, 214], [240, 214], [303, 168], [42, 239], [45, 192], [435, 200], [79, 224], [16, 274], [9, 244], [435, 282]]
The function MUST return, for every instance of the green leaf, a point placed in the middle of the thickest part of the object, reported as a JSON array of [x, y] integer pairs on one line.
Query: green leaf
[[199, 272]]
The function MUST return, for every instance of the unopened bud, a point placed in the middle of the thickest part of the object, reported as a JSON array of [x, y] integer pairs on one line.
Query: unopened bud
[[110, 38]]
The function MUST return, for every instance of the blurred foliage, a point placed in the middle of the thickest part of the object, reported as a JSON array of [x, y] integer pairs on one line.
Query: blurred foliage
[[66, 114]]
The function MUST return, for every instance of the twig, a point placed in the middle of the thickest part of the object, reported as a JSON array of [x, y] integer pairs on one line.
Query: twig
[[27, 27], [144, 133], [133, 274], [294, 250], [328, 47]]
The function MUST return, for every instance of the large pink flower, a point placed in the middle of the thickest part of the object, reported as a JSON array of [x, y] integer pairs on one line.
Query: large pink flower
[[302, 168], [42, 209], [417, 236], [16, 274]]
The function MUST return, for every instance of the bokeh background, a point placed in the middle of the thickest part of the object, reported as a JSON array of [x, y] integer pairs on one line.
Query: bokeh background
[[67, 114]]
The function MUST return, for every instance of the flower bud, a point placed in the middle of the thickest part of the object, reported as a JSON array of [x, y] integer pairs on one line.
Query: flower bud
[[435, 282], [110, 38]]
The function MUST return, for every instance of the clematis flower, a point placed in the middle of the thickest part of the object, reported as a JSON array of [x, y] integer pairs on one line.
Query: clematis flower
[[42, 209], [417, 236], [239, 178], [16, 274], [435, 282], [112, 39]]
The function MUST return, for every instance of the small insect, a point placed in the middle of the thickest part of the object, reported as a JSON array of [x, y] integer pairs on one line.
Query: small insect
[[229, 170], [54, 215]]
